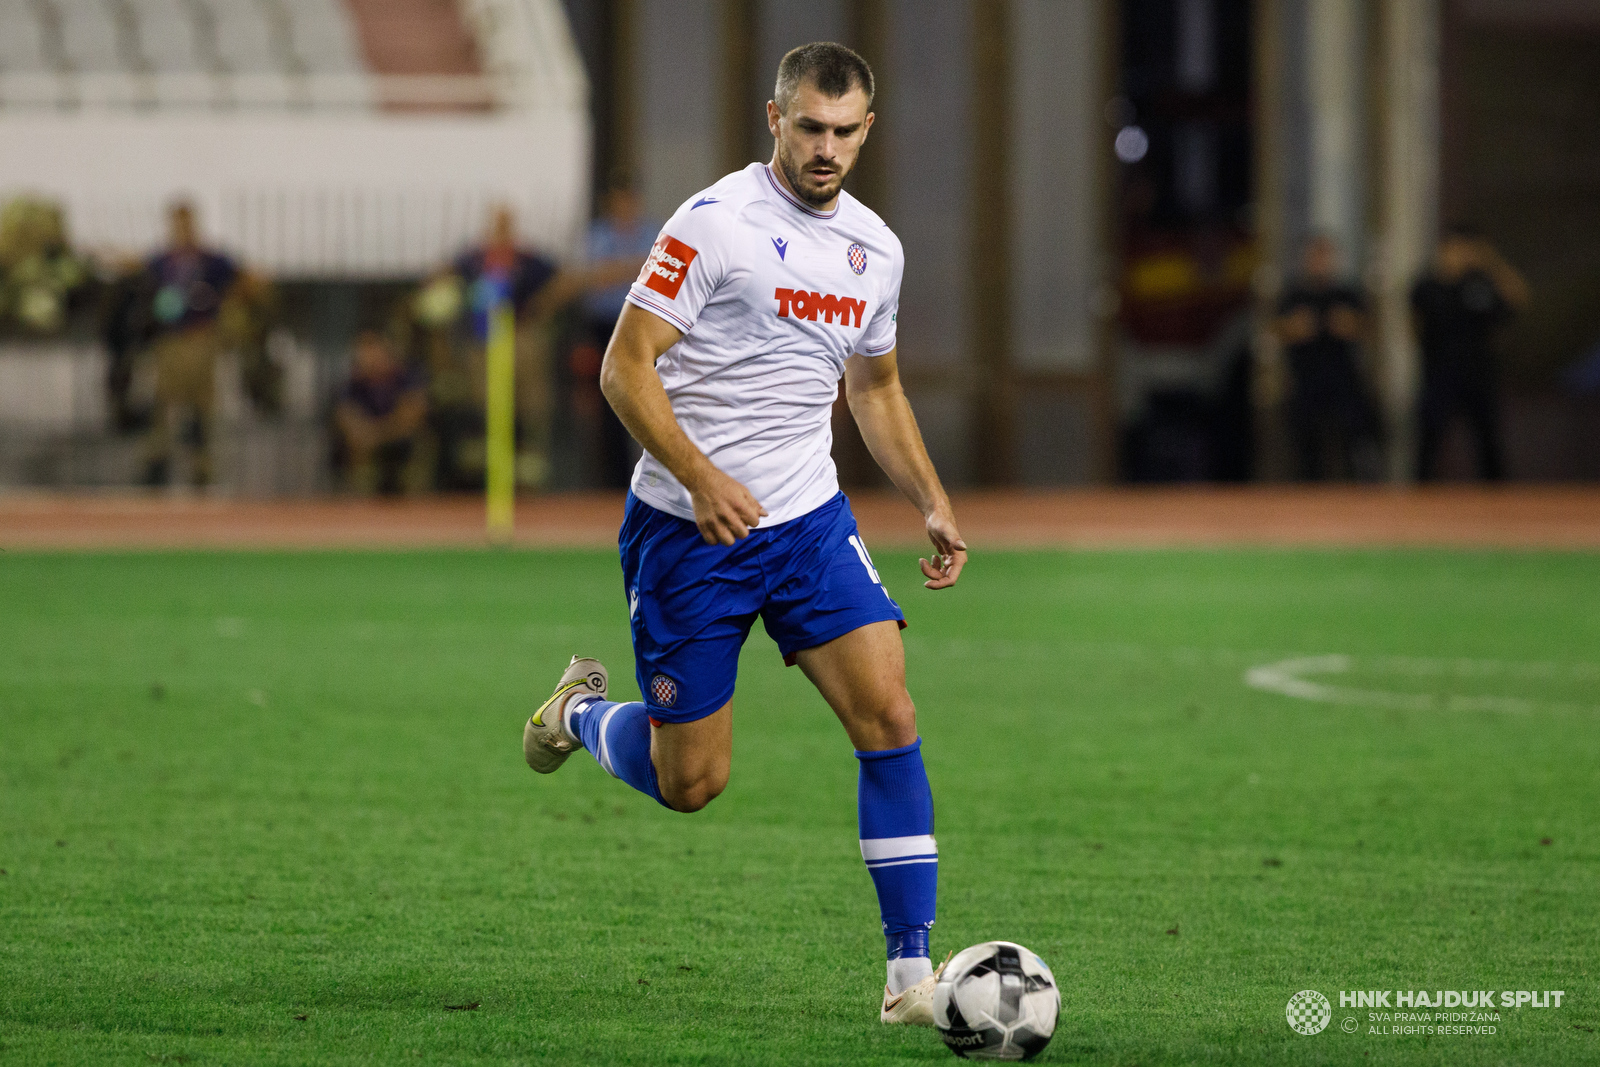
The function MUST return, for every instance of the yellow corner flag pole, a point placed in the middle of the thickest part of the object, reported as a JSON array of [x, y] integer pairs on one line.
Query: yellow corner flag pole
[[501, 458]]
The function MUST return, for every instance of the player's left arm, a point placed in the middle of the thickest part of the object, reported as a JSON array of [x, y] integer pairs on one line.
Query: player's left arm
[[881, 410]]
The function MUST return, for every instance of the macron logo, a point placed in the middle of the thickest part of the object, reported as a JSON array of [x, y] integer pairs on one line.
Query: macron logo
[[703, 201], [668, 263], [781, 245], [807, 305]]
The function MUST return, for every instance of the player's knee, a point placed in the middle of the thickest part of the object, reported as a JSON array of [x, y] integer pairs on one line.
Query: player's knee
[[690, 796], [892, 721], [690, 793]]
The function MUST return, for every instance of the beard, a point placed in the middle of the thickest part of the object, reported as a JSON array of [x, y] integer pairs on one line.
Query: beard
[[804, 185]]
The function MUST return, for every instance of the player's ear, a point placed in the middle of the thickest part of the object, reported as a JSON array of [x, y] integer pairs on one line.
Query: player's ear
[[773, 115], [866, 125]]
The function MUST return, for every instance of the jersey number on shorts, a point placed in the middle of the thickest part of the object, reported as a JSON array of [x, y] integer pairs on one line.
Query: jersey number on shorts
[[866, 560]]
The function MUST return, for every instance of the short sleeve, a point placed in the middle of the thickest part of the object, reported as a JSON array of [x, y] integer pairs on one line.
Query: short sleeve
[[687, 263], [879, 337]]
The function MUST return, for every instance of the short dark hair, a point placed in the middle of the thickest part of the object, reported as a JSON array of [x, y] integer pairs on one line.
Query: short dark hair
[[832, 68]]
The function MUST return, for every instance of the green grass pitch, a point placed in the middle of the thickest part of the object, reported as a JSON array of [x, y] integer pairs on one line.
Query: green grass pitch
[[271, 808]]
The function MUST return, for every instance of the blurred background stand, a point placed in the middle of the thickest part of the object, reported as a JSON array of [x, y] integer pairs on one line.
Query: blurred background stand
[[1103, 204], [343, 150]]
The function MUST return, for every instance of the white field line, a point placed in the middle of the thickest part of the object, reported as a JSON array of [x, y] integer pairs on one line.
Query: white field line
[[1290, 677], [1302, 676]]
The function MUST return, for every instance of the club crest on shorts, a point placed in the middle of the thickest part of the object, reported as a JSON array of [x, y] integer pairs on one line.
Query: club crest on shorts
[[664, 691], [858, 259]]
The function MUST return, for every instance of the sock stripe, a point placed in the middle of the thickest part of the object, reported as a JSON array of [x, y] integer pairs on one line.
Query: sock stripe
[[901, 863], [888, 848], [604, 755]]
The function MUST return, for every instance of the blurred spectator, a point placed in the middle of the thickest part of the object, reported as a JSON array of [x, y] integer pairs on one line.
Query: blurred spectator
[[1469, 293], [381, 412], [40, 277], [187, 286], [454, 309], [247, 318], [619, 240], [126, 326], [1321, 322], [500, 272]]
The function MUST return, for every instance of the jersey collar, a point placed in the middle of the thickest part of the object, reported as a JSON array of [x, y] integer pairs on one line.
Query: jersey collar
[[772, 180]]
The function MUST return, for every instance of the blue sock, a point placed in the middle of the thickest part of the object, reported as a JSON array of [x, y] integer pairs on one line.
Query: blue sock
[[618, 737], [895, 806]]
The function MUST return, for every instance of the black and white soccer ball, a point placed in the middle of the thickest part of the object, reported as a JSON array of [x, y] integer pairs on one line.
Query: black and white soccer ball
[[996, 1001]]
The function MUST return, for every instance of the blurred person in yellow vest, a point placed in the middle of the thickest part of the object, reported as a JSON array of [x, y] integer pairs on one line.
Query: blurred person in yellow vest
[[42, 280], [188, 285]]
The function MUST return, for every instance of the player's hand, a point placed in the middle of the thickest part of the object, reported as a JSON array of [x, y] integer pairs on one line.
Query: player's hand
[[950, 552], [723, 508]]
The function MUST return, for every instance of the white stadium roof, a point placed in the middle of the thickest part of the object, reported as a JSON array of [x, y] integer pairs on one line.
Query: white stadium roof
[[302, 161]]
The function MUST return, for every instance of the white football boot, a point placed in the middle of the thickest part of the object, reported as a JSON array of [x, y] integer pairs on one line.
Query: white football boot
[[914, 1004], [546, 741]]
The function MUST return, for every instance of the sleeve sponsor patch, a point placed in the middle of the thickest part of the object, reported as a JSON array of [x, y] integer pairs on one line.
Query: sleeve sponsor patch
[[668, 263]]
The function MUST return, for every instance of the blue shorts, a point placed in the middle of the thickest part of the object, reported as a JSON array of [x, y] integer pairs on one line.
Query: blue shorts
[[691, 604]]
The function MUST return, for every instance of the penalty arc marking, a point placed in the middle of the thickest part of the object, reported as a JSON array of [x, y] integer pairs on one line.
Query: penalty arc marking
[[1302, 677], [1321, 679]]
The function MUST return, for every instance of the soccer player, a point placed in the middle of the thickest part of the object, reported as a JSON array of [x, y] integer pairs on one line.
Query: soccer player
[[758, 296]]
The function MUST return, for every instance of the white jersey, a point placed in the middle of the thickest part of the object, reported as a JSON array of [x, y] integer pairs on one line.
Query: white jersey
[[772, 297]]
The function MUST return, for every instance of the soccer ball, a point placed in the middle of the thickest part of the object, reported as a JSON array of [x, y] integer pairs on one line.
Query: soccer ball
[[996, 1001]]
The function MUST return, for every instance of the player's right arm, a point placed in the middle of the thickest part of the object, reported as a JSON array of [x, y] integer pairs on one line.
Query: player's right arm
[[723, 508]]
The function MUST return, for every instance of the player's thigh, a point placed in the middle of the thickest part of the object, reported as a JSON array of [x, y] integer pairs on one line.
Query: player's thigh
[[862, 676], [693, 753], [691, 606]]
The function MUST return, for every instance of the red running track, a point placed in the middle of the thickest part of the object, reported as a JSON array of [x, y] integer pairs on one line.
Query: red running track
[[1507, 517]]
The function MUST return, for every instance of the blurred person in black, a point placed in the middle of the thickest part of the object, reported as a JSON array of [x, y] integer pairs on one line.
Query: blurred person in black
[[381, 411], [125, 328], [1457, 306], [186, 286], [1321, 321]]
